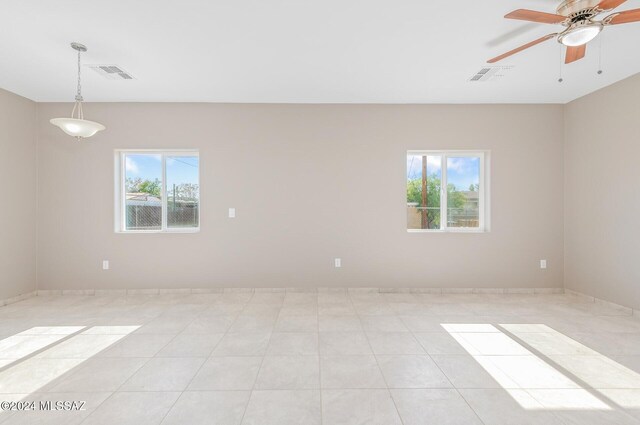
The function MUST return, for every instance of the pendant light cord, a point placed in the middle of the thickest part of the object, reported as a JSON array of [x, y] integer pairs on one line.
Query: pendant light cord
[[78, 105], [79, 95]]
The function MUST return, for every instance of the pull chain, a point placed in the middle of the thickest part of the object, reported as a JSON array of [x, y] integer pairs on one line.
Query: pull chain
[[560, 79], [600, 55]]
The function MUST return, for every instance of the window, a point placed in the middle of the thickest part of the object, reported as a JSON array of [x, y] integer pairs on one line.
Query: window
[[157, 191], [447, 191]]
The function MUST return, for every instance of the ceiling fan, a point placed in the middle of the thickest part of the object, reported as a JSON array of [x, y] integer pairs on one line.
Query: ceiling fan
[[578, 16]]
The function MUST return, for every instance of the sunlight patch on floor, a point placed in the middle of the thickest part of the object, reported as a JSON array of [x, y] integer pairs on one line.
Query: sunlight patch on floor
[[52, 330], [595, 369], [33, 373], [627, 398], [530, 381], [17, 347]]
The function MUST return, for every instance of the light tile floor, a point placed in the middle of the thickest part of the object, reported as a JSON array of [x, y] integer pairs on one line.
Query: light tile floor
[[332, 358]]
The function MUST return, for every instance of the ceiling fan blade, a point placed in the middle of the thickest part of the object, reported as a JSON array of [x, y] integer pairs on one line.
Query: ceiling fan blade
[[610, 4], [521, 48], [625, 17], [515, 32], [575, 53], [534, 16]]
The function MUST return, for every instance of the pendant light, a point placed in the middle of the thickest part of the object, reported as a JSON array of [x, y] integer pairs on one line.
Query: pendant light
[[77, 126]]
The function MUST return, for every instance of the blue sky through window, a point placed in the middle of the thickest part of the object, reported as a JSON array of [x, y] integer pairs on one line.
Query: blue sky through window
[[181, 169], [461, 171], [146, 167]]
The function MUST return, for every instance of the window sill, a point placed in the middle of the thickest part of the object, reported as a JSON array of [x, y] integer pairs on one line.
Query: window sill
[[172, 231], [458, 230]]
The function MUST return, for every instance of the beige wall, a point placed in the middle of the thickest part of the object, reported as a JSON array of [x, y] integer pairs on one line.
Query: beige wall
[[343, 165], [602, 194], [18, 194]]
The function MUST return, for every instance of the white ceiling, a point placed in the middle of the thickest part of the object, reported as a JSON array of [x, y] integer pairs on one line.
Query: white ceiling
[[299, 51]]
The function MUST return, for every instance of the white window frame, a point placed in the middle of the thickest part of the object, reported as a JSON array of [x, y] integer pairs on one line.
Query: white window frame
[[483, 191], [119, 192]]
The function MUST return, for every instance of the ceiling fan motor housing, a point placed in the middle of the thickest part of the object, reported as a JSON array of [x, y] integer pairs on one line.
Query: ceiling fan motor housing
[[571, 7], [580, 25]]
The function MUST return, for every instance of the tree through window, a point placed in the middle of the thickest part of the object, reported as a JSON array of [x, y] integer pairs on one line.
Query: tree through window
[[446, 190]]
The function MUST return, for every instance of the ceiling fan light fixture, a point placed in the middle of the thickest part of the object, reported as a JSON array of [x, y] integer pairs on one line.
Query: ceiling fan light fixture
[[580, 34], [76, 125]]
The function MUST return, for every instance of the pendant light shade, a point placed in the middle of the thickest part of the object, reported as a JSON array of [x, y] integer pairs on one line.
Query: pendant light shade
[[76, 125], [77, 128]]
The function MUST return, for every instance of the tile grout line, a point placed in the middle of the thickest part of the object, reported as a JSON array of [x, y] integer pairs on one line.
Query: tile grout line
[[443, 373], [148, 359], [375, 356], [246, 407], [145, 363], [201, 366], [319, 360]]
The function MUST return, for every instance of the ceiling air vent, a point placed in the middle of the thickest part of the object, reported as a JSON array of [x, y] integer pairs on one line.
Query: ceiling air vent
[[112, 72], [490, 73]]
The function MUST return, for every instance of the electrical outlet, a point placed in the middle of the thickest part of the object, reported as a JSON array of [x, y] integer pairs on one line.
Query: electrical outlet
[[543, 264], [337, 262], [105, 264], [232, 213]]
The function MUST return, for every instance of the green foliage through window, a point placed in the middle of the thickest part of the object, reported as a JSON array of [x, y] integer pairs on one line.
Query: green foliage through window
[[455, 198], [139, 185]]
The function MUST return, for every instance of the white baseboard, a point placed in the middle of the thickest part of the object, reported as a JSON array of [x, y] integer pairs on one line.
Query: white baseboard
[[580, 295], [17, 298], [623, 309], [320, 290], [328, 290]]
